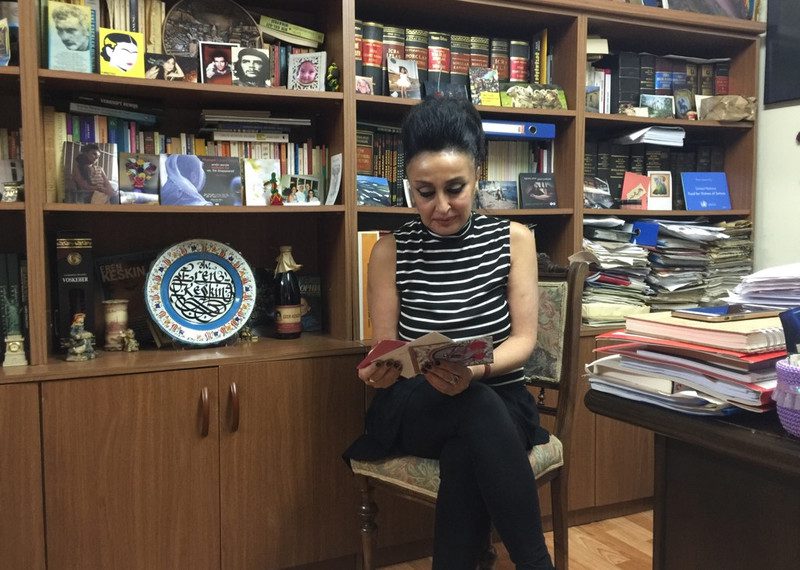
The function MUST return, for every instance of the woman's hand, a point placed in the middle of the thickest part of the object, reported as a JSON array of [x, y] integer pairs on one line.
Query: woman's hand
[[449, 378], [381, 373]]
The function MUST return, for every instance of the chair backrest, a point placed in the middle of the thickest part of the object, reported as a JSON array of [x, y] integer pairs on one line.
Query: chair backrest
[[554, 363]]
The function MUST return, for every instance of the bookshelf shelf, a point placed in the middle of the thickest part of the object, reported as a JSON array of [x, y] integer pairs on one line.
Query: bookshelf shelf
[[9, 71], [604, 120], [12, 206], [102, 209], [739, 213]]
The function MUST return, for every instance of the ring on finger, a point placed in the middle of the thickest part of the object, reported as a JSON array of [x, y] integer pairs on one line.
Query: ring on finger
[[371, 380]]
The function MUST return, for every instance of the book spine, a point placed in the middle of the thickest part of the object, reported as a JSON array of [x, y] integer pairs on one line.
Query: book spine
[[679, 80], [722, 71], [647, 74], [4, 286], [133, 15], [119, 113], [707, 79], [478, 51], [358, 38], [292, 29], [14, 293], [519, 61], [459, 59], [603, 160], [618, 165], [372, 54], [637, 162], [498, 58], [439, 57], [590, 158], [394, 46], [48, 126], [417, 50], [692, 78], [663, 82], [656, 157], [249, 136]]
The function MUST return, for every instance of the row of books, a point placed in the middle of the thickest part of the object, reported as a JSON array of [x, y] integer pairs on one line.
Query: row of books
[[444, 58], [13, 296], [609, 162], [379, 153], [95, 173], [10, 144], [616, 82]]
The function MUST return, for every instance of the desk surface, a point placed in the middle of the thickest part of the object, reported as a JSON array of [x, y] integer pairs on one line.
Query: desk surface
[[755, 438]]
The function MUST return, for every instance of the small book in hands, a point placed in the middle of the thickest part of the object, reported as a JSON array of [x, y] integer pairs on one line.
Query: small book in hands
[[429, 348]]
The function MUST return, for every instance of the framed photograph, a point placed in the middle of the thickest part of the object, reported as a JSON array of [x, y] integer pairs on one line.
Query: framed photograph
[[215, 63], [307, 71], [166, 67], [121, 52], [364, 85], [301, 190], [251, 67], [659, 106], [498, 195], [190, 22], [659, 195], [684, 104], [403, 78]]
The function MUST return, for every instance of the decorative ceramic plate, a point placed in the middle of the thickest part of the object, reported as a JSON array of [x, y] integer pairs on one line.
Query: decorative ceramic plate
[[200, 291], [221, 21]]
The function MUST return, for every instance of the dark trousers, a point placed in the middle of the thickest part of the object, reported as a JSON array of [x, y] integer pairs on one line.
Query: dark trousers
[[486, 476]]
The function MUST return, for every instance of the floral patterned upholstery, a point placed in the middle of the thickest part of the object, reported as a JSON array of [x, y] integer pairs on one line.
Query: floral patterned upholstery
[[545, 362], [422, 475]]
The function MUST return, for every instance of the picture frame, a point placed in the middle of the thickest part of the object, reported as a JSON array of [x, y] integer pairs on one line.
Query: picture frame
[[307, 71], [215, 63], [364, 85], [190, 22], [659, 194], [659, 106], [684, 104], [301, 190], [252, 67], [403, 78], [167, 67]]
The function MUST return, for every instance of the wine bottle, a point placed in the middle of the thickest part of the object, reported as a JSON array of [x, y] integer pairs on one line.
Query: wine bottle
[[287, 296]]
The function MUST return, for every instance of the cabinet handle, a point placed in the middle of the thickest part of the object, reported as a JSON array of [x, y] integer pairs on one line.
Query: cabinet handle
[[234, 393], [205, 412]]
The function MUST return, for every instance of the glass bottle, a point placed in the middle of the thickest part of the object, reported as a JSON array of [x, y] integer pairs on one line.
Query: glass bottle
[[287, 296]]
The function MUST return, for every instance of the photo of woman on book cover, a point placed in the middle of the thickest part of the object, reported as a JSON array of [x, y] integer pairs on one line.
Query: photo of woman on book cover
[[165, 67]]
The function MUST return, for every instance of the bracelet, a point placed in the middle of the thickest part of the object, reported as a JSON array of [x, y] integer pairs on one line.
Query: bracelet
[[487, 370]]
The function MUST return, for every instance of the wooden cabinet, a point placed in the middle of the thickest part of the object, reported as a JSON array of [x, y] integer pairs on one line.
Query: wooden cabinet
[[21, 512], [131, 471], [287, 498]]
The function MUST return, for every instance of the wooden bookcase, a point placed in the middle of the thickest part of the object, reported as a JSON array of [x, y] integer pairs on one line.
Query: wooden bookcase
[[324, 240]]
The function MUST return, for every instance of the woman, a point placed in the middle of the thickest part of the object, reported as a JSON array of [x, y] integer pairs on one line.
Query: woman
[[91, 181], [465, 275]]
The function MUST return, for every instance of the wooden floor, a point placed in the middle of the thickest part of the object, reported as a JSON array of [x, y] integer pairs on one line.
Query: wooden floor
[[625, 542]]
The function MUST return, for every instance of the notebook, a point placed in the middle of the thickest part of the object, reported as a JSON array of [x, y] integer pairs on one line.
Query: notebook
[[753, 335]]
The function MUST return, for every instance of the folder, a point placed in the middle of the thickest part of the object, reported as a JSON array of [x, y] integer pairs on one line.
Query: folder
[[519, 130]]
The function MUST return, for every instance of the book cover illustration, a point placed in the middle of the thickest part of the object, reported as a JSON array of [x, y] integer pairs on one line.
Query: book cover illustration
[[90, 173], [5, 42], [307, 71], [190, 180], [416, 354], [660, 195], [72, 30], [537, 190], [251, 67], [215, 63], [497, 194], [167, 68], [635, 188], [138, 181], [301, 190], [261, 175], [706, 191], [484, 80], [403, 78], [121, 53], [372, 191], [310, 302]]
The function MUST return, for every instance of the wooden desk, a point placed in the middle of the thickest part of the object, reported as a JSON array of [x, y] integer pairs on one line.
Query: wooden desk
[[727, 490]]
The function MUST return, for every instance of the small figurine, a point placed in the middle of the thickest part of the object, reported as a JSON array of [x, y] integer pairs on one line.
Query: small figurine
[[246, 335], [129, 342], [332, 77], [80, 345]]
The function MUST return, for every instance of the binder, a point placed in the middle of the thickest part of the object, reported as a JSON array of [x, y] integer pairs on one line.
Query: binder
[[519, 130]]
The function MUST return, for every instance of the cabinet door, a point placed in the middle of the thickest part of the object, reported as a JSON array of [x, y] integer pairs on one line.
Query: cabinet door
[[287, 496], [21, 526], [130, 479]]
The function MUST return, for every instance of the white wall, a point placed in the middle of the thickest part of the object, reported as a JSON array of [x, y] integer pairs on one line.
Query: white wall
[[777, 214]]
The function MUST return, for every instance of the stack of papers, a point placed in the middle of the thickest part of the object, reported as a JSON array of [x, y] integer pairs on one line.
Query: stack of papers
[[776, 286], [667, 136]]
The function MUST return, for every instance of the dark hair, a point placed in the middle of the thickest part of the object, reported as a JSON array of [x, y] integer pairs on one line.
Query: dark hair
[[443, 123], [111, 41]]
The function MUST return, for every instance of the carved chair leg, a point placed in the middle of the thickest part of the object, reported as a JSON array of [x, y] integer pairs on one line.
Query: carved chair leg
[[558, 493], [366, 514]]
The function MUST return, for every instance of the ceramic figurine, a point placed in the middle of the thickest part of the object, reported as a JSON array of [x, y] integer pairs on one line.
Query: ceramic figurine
[[80, 345]]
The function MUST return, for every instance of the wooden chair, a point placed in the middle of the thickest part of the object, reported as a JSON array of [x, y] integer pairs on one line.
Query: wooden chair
[[553, 365]]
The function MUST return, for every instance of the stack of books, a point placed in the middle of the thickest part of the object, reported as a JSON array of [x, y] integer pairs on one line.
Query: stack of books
[[703, 368]]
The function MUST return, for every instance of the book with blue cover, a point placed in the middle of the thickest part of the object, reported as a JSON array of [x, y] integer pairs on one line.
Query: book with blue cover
[[372, 191], [706, 191]]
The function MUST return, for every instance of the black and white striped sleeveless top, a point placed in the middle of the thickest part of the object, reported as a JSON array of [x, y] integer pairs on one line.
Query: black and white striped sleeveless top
[[456, 285]]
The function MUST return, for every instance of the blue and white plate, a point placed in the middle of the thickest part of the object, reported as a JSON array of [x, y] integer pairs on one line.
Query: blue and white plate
[[200, 291]]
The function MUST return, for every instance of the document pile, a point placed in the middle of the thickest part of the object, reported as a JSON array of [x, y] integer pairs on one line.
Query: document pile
[[667, 136], [703, 375], [775, 286], [617, 287]]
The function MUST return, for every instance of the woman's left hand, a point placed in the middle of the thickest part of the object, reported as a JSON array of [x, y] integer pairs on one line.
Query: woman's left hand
[[449, 378]]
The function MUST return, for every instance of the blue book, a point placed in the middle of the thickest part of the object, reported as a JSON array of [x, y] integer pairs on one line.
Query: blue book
[[372, 191], [705, 191], [519, 130]]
